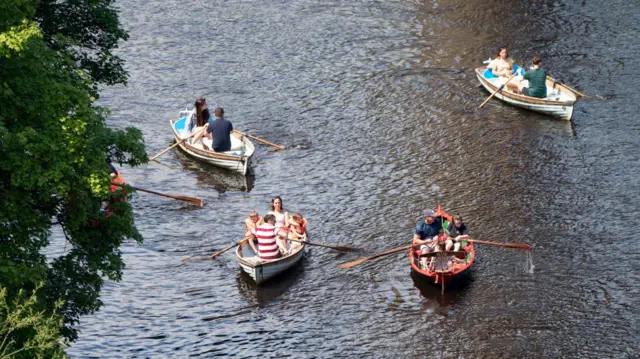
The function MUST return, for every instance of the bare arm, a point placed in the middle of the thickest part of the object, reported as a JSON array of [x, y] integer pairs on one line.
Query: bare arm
[[252, 244]]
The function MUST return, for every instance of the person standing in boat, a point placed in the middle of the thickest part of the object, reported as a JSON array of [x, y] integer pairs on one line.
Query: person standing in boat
[[502, 66], [426, 234], [268, 245], [252, 221], [282, 217], [455, 233], [219, 131], [537, 80]]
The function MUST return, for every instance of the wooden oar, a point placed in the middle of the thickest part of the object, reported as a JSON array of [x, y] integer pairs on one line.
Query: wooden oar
[[576, 91], [523, 246], [337, 248], [381, 254], [177, 143], [194, 200], [498, 90], [260, 140], [214, 255]]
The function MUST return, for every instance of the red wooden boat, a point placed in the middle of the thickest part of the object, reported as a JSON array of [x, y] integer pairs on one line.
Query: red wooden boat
[[444, 276]]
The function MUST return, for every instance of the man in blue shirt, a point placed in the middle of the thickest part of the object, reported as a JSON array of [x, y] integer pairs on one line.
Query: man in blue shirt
[[426, 234], [427, 228], [220, 131]]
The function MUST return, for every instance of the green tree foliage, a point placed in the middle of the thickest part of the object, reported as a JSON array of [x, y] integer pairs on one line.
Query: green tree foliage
[[88, 31], [26, 331], [54, 146]]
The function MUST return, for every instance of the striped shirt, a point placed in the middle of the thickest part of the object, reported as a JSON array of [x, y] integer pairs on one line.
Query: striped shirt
[[267, 246]]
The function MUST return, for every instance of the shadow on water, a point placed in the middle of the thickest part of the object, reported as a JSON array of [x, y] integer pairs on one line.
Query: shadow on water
[[220, 179], [455, 290], [271, 290]]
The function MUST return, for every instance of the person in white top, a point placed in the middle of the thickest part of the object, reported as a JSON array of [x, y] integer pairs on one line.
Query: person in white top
[[502, 66], [282, 216]]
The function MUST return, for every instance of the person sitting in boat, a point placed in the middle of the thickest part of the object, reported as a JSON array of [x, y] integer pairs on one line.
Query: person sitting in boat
[[537, 78], [282, 217], [455, 233], [198, 119], [502, 66], [269, 247], [219, 131], [426, 234], [252, 221], [297, 229]]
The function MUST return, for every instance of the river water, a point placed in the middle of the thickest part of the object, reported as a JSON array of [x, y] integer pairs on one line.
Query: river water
[[376, 101]]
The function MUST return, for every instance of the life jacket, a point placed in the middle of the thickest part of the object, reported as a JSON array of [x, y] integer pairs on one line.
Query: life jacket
[[114, 187], [298, 228]]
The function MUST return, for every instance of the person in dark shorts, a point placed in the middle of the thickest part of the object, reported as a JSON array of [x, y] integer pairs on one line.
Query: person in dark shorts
[[537, 80], [456, 231]]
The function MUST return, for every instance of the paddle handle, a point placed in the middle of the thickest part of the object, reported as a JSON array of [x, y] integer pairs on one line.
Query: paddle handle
[[243, 240], [176, 144], [522, 246], [338, 248], [261, 140], [498, 90]]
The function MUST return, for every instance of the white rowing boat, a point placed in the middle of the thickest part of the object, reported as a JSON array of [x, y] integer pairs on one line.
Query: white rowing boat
[[261, 270], [558, 103], [237, 159]]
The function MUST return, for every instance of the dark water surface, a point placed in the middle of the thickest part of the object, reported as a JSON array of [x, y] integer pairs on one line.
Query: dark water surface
[[378, 101]]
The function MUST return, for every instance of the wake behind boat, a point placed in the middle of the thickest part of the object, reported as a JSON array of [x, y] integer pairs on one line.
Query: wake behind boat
[[238, 159], [558, 103]]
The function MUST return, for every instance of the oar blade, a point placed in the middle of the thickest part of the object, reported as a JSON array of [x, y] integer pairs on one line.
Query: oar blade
[[352, 264]]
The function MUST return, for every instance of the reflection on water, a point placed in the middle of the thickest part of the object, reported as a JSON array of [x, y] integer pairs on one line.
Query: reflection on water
[[271, 290], [210, 176]]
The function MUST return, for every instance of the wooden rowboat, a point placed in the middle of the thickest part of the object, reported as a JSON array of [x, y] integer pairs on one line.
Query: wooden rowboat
[[439, 276], [558, 103], [237, 159], [261, 270]]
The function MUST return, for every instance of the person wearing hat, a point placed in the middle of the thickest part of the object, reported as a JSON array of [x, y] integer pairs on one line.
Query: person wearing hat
[[426, 234]]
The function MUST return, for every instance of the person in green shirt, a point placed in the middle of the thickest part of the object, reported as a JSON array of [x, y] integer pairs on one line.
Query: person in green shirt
[[537, 80]]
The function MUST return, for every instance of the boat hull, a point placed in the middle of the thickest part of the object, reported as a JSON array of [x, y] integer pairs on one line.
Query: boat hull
[[260, 271], [442, 278], [237, 160], [559, 105]]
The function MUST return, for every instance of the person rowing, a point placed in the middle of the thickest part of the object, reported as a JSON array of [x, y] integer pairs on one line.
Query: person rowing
[[219, 131], [426, 234], [269, 247], [537, 79]]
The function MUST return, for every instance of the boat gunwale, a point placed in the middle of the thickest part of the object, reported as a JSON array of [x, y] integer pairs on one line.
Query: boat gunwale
[[529, 99], [450, 274], [210, 154], [281, 260]]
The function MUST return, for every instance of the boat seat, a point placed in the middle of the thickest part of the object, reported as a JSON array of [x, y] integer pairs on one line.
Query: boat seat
[[489, 75], [460, 254]]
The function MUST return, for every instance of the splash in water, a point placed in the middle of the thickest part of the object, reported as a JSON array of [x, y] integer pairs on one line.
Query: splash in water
[[528, 263]]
